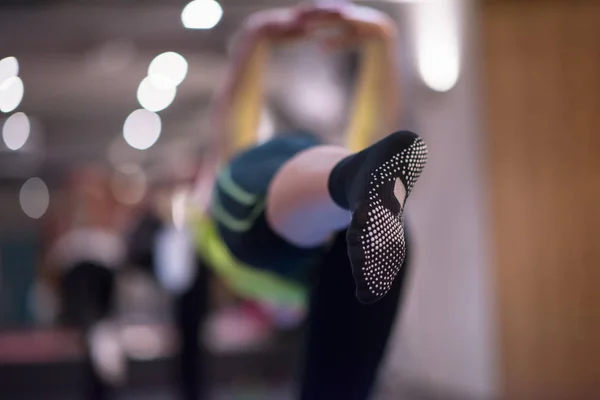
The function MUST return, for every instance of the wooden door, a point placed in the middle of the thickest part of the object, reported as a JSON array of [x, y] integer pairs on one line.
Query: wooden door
[[541, 74]]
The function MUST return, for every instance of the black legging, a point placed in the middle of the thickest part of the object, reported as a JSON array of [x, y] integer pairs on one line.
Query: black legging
[[190, 310], [87, 293], [346, 340], [87, 290]]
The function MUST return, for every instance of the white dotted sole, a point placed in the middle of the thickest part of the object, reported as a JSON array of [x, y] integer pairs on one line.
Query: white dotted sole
[[382, 237]]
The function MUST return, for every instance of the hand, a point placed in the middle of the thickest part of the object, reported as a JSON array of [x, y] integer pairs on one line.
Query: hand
[[356, 23], [277, 24], [359, 23]]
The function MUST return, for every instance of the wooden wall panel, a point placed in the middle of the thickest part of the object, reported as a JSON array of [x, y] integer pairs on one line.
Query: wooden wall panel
[[542, 90]]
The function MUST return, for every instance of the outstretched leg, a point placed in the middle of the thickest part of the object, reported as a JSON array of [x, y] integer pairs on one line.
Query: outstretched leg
[[337, 322], [323, 189]]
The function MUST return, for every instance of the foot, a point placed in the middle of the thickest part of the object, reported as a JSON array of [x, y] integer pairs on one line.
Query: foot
[[377, 183]]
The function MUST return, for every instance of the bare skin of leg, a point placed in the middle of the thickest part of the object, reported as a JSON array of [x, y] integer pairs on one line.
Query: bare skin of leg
[[299, 207]]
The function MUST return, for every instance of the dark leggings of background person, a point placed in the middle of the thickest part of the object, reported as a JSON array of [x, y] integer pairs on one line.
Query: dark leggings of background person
[[190, 310], [88, 289], [346, 340]]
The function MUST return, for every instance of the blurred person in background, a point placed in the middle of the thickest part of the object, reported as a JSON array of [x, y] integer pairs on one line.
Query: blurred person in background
[[84, 257], [160, 244], [293, 207], [161, 247]]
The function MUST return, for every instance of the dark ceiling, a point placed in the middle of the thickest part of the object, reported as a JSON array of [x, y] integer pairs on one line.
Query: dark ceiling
[[78, 107]]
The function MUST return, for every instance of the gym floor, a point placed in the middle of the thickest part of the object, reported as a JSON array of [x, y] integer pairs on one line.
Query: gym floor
[[268, 374]]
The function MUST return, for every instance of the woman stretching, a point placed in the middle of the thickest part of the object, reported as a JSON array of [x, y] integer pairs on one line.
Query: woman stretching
[[283, 207]]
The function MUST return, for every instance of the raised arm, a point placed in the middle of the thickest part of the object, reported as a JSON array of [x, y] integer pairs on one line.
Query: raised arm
[[376, 103], [238, 104]]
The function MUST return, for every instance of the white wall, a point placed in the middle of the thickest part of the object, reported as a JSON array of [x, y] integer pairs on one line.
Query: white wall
[[444, 341]]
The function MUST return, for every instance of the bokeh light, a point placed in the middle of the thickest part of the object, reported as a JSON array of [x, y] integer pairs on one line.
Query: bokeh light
[[153, 98], [438, 49], [129, 184], [142, 129], [34, 198], [11, 94], [15, 131], [9, 68], [201, 14], [167, 70]]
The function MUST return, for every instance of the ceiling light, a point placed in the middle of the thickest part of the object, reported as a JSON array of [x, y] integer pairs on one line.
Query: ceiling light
[[15, 131], [9, 67], [438, 49], [142, 129], [201, 14], [167, 70], [11, 94], [34, 198], [153, 98]]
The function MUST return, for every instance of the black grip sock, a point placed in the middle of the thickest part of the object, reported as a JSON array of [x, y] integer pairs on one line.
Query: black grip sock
[[365, 183]]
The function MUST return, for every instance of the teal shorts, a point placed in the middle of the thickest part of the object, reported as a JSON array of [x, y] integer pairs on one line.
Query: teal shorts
[[238, 209]]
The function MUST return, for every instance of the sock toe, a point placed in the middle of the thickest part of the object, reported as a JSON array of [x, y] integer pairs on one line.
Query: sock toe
[[376, 244]]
